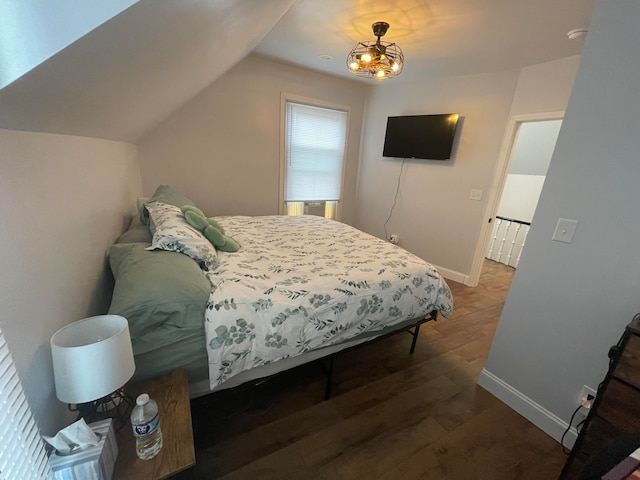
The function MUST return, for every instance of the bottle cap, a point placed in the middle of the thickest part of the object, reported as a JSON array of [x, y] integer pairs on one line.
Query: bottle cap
[[142, 399]]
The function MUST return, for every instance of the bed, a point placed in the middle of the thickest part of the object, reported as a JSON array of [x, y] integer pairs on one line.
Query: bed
[[298, 289]]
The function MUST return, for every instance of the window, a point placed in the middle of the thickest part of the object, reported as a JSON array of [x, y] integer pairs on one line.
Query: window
[[22, 452], [314, 150]]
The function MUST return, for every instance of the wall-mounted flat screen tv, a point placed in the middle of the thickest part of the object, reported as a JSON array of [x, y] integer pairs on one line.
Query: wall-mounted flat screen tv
[[428, 137]]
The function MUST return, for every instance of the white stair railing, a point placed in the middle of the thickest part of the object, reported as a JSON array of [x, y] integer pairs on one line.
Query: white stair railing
[[508, 238], [494, 237]]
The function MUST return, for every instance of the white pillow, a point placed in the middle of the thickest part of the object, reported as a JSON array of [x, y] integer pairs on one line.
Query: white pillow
[[172, 232]]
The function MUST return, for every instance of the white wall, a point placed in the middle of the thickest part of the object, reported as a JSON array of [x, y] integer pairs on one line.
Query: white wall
[[543, 91], [520, 196], [545, 87], [434, 217], [32, 31], [570, 302], [527, 169], [63, 201], [534, 147], [222, 148]]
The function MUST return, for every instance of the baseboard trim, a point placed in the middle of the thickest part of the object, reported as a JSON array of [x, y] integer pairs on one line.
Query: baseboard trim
[[536, 414], [454, 276]]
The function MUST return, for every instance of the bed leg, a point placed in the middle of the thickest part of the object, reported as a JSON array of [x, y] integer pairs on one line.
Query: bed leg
[[416, 330], [327, 388]]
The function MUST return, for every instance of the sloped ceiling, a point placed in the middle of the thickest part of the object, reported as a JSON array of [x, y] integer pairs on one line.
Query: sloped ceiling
[[32, 30], [121, 79]]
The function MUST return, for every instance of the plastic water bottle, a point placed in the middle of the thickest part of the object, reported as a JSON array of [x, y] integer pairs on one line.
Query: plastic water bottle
[[145, 422]]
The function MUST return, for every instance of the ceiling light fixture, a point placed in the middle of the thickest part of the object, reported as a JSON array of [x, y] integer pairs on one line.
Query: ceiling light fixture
[[376, 59]]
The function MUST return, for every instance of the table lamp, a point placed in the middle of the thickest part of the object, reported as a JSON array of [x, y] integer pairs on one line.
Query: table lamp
[[92, 360]]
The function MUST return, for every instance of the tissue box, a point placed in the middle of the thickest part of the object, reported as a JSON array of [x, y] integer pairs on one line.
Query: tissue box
[[94, 463]]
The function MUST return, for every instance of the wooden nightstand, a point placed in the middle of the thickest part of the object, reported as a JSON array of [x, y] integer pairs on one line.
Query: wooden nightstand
[[178, 453]]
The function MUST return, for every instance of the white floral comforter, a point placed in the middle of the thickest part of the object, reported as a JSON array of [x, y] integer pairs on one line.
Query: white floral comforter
[[301, 283]]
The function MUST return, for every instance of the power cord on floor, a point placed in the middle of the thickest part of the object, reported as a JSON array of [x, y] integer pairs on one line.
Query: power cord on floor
[[578, 426]]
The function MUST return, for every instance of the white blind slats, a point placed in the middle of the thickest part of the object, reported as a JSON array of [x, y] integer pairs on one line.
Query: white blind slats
[[13, 391], [22, 454], [315, 143]]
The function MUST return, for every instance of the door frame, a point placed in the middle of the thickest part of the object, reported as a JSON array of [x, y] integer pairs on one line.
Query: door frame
[[499, 179]]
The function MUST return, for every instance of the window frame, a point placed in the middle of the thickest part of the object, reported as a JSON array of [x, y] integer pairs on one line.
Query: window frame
[[284, 99]]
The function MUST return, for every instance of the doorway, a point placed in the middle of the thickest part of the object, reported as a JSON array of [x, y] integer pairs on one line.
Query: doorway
[[527, 149], [530, 157]]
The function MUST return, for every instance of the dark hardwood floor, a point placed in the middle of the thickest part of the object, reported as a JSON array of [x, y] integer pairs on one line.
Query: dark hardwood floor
[[391, 416]]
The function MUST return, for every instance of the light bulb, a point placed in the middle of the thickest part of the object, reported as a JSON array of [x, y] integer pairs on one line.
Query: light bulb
[[366, 57], [354, 65], [395, 66], [380, 74]]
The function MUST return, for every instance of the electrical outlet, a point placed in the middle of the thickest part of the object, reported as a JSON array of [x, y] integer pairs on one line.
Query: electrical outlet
[[394, 239], [586, 397]]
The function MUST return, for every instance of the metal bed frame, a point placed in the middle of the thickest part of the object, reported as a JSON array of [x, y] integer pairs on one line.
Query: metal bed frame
[[413, 330]]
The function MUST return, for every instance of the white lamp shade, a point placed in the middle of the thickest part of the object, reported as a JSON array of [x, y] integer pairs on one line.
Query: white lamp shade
[[92, 358]]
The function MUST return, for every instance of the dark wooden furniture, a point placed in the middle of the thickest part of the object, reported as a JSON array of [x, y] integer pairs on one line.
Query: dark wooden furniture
[[611, 430], [178, 453]]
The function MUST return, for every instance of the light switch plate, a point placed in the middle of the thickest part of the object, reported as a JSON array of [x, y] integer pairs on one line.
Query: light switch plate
[[475, 194], [565, 229]]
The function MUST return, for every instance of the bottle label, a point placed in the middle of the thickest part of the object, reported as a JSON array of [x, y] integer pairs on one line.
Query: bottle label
[[140, 429]]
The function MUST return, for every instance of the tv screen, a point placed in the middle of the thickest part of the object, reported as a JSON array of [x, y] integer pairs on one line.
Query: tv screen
[[428, 137]]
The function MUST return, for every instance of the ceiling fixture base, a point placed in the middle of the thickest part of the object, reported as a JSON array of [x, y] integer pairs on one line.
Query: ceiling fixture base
[[577, 33]]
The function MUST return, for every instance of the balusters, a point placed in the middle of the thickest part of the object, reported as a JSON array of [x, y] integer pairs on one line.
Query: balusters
[[504, 240], [493, 239], [508, 231], [513, 242], [524, 239]]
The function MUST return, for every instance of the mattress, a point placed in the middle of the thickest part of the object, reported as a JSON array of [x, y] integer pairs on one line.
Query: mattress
[[299, 289], [300, 284]]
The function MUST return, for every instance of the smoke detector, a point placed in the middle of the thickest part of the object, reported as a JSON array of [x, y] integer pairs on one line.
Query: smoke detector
[[577, 33]]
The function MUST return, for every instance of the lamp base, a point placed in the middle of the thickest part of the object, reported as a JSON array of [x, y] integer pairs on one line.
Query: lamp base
[[117, 406]]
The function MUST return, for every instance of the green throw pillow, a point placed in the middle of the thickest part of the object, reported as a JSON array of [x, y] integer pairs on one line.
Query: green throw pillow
[[211, 229], [165, 194], [196, 221]]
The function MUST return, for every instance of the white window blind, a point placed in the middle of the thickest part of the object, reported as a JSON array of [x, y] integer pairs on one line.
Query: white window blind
[[315, 146], [22, 455]]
